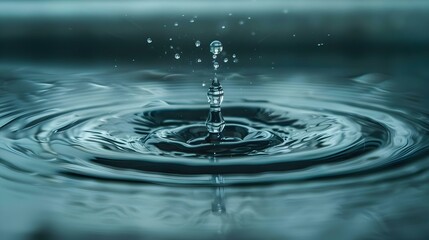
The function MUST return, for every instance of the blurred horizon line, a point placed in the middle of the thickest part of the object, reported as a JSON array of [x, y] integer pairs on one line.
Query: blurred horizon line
[[64, 8]]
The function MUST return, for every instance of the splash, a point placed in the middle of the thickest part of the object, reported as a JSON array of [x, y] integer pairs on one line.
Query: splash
[[215, 122]]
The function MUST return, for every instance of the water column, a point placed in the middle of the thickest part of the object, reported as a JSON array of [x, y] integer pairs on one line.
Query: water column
[[215, 122]]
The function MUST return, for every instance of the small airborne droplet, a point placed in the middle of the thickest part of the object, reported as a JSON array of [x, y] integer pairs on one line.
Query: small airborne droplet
[[216, 47], [176, 24], [176, 56], [149, 40], [235, 60], [192, 20], [199, 60], [223, 27], [225, 60], [197, 43], [234, 56]]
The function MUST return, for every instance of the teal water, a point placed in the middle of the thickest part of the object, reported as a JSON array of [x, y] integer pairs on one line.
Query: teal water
[[111, 153], [317, 112]]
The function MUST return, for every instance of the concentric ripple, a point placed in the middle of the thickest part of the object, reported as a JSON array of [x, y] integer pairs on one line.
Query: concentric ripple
[[145, 129]]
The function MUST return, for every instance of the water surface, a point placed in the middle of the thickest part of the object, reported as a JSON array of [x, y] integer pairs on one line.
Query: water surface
[[110, 152]]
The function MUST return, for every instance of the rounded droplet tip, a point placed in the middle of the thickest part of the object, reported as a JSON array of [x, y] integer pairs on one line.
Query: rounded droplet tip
[[216, 47]]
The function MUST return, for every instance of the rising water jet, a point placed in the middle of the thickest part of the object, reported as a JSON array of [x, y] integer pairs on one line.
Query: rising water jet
[[215, 122]]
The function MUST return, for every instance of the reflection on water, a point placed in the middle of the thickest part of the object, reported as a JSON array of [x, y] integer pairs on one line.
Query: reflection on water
[[103, 111], [110, 154]]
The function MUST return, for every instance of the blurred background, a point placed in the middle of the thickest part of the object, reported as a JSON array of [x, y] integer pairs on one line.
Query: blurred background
[[351, 43], [263, 33]]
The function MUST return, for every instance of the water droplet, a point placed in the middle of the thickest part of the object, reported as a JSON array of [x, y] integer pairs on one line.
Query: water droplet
[[214, 56], [199, 60], [249, 18], [171, 47], [215, 122], [176, 56], [235, 60], [171, 39], [176, 24], [216, 47], [285, 11], [204, 84], [225, 60], [192, 20], [241, 22], [229, 14], [234, 56], [294, 35], [223, 27], [197, 43], [149, 40]]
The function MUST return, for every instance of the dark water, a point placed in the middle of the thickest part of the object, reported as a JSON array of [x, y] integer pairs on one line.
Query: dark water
[[102, 132], [112, 153]]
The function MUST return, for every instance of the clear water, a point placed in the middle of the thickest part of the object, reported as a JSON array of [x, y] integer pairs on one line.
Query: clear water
[[103, 120], [215, 122], [115, 152]]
